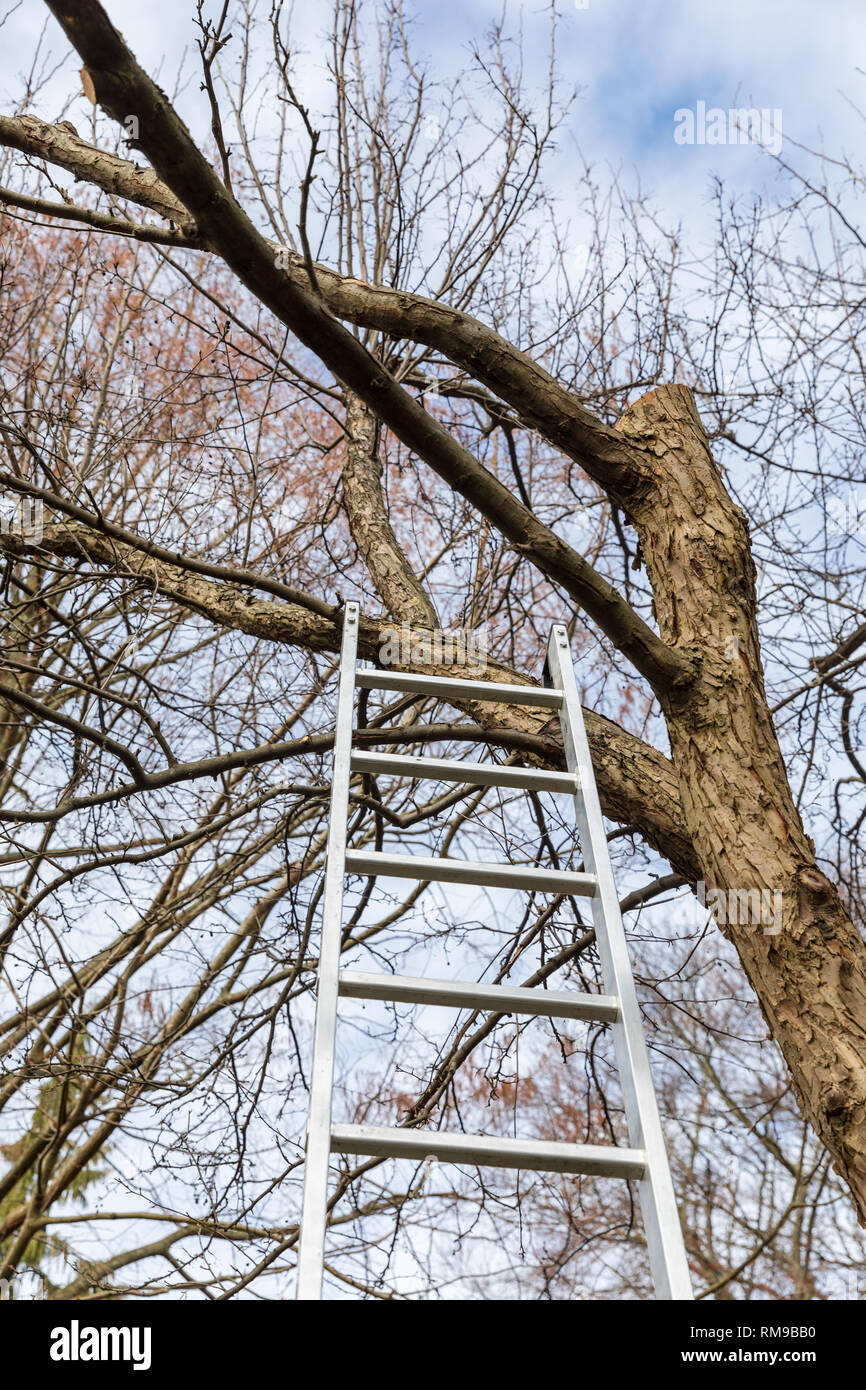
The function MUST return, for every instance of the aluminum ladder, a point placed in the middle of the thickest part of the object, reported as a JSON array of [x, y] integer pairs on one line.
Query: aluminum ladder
[[646, 1160]]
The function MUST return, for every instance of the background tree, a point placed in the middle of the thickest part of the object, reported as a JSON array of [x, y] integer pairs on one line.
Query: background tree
[[351, 356]]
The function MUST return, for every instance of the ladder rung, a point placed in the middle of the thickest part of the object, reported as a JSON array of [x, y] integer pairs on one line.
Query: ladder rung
[[445, 688], [564, 881], [460, 994], [476, 774], [536, 1155]]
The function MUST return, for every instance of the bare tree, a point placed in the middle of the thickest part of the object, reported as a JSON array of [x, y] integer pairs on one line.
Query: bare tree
[[352, 356]]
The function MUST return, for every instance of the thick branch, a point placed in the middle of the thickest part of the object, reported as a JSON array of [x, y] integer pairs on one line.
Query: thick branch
[[540, 400], [123, 88], [122, 177], [396, 582], [637, 783]]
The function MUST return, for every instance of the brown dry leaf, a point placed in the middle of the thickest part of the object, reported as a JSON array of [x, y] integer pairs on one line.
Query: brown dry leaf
[[88, 87]]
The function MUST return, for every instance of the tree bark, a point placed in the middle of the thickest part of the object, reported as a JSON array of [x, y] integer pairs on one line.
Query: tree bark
[[810, 976], [741, 825], [396, 583], [637, 784]]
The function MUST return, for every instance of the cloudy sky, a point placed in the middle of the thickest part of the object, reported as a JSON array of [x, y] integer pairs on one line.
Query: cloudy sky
[[635, 62]]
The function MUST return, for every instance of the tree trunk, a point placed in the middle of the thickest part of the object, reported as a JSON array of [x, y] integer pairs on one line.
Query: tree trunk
[[808, 964]]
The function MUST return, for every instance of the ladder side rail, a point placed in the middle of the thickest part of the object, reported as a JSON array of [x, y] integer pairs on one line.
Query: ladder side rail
[[661, 1218], [314, 1214]]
